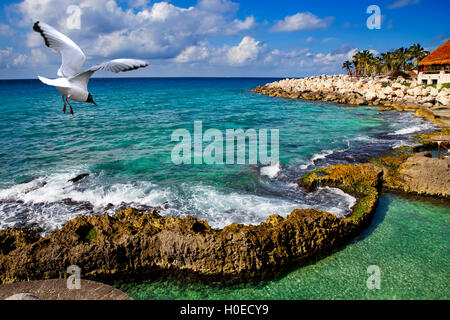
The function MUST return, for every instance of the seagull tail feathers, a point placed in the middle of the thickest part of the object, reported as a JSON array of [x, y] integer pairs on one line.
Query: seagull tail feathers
[[45, 80]]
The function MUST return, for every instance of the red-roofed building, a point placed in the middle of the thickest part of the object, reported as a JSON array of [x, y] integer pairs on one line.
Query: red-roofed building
[[435, 68]]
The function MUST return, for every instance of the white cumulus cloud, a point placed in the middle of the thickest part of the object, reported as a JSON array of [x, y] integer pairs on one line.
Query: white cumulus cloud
[[10, 59], [174, 38], [151, 30], [238, 26], [246, 51], [193, 54], [301, 21]]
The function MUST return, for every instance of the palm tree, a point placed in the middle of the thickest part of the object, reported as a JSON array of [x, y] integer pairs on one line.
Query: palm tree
[[401, 58], [388, 61], [417, 53], [363, 59], [347, 66], [376, 65], [357, 62], [355, 66]]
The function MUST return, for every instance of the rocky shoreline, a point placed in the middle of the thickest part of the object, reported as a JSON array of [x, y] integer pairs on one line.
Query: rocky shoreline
[[135, 244], [141, 244], [387, 93]]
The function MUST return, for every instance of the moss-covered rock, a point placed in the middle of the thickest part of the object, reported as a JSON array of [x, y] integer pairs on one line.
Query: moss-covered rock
[[13, 238], [425, 139], [363, 181]]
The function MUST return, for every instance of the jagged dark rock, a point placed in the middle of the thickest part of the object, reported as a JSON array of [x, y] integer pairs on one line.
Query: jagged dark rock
[[79, 177], [28, 180]]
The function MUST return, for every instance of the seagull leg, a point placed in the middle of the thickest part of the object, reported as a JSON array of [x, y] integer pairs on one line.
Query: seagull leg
[[64, 108], [71, 110]]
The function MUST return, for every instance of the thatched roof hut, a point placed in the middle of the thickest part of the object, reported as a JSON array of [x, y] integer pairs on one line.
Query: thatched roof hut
[[440, 56], [435, 68]]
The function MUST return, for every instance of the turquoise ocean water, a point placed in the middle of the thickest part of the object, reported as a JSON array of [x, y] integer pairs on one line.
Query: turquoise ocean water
[[125, 145]]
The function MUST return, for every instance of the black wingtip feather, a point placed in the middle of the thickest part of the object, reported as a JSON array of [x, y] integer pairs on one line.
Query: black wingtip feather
[[136, 67], [37, 28]]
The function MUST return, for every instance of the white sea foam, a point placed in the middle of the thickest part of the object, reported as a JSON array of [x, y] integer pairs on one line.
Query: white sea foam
[[410, 130], [57, 188], [317, 156], [221, 208], [43, 201], [363, 138], [346, 202], [371, 140], [400, 143], [45, 204], [271, 171], [47, 216]]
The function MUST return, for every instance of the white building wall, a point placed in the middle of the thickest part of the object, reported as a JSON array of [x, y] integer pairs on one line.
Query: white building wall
[[441, 77]]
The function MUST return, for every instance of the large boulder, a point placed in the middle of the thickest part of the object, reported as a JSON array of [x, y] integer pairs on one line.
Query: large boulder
[[443, 98], [399, 93], [433, 91], [387, 91], [396, 85], [358, 91], [370, 96]]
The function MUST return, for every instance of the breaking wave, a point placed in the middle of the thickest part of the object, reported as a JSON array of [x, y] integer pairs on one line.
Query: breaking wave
[[51, 201]]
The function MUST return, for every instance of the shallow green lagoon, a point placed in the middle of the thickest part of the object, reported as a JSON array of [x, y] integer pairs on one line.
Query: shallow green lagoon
[[408, 240]]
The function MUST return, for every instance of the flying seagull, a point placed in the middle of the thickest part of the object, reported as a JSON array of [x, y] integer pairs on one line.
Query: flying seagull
[[72, 83]]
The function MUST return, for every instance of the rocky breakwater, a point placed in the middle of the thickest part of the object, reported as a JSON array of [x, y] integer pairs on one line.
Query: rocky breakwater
[[388, 93], [144, 244]]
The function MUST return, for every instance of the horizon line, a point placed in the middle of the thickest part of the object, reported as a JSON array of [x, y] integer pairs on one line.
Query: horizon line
[[173, 77]]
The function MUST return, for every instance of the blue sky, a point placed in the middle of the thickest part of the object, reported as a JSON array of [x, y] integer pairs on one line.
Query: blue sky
[[215, 37]]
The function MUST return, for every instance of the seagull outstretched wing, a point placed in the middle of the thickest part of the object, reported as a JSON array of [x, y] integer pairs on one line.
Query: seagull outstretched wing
[[116, 65], [72, 56]]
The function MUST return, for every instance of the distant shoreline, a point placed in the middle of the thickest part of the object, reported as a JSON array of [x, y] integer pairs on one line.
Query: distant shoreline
[[386, 93], [118, 78]]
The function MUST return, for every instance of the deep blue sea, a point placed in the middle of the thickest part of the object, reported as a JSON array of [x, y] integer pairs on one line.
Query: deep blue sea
[[125, 146]]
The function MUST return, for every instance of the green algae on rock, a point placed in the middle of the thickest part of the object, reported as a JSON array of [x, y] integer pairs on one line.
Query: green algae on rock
[[362, 181]]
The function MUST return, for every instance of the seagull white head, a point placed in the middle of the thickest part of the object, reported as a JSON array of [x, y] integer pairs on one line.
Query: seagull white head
[[72, 83]]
